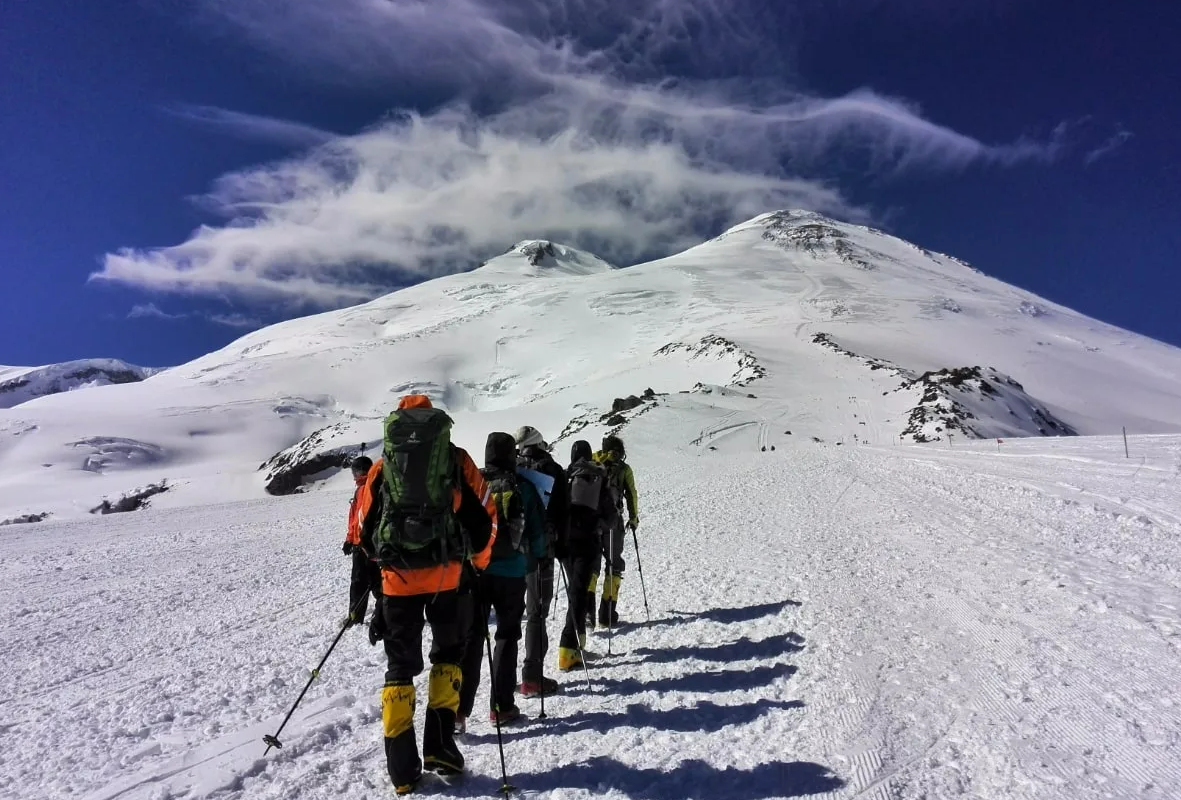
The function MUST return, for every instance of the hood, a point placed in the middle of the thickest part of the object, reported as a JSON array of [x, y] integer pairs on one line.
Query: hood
[[500, 452], [580, 451], [415, 401]]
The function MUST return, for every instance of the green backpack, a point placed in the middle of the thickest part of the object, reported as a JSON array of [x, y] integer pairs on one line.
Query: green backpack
[[417, 527], [510, 513]]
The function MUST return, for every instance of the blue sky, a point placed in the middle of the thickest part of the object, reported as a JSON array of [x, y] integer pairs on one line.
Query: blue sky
[[219, 164]]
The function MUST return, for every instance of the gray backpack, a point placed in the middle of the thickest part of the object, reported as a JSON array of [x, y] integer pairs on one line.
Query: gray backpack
[[586, 484]]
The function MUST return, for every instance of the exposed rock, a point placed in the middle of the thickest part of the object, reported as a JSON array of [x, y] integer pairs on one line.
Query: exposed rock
[[619, 415], [131, 501], [977, 403], [290, 471], [714, 347], [25, 519], [534, 252], [825, 340], [817, 237]]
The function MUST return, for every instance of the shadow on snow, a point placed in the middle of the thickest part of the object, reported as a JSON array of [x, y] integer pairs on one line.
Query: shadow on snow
[[704, 717], [742, 650], [690, 779], [726, 616], [710, 680]]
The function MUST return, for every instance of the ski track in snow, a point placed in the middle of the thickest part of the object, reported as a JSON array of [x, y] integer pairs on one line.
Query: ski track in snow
[[842, 622]]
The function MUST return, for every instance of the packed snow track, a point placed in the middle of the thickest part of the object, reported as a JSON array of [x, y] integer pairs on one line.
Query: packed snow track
[[993, 621]]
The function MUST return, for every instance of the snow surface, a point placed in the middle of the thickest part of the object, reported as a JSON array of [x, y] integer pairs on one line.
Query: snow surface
[[549, 336], [22, 384], [890, 621]]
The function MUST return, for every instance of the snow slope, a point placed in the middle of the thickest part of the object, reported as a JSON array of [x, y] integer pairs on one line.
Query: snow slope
[[984, 621], [790, 321], [22, 384]]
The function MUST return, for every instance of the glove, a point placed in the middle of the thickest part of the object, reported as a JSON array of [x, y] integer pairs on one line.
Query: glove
[[633, 523], [377, 628], [348, 548]]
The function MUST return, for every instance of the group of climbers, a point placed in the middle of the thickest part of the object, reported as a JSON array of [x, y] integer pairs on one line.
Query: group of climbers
[[437, 541]]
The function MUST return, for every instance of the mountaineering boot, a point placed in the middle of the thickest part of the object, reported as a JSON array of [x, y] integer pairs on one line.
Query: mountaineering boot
[[546, 686], [439, 752], [568, 659], [401, 750], [605, 610], [612, 589], [582, 642], [505, 715]]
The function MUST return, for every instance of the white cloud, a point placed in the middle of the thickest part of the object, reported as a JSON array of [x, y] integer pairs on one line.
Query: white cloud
[[1117, 140], [234, 320], [584, 144], [253, 126], [151, 311]]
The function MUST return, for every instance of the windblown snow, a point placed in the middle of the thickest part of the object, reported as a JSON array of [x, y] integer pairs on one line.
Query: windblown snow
[[892, 544]]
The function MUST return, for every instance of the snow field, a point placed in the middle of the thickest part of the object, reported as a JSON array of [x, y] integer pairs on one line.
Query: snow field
[[874, 622]]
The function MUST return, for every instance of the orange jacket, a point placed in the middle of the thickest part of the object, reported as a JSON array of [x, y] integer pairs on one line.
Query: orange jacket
[[356, 512], [473, 505]]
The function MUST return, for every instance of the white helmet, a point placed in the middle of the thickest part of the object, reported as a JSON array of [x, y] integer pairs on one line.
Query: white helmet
[[528, 436]]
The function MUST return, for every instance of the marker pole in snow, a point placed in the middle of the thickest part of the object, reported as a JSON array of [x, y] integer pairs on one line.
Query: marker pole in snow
[[484, 611], [640, 569], [574, 625], [1125, 430], [272, 740]]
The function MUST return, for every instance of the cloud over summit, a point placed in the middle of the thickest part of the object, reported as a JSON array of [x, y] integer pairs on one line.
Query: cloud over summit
[[631, 129]]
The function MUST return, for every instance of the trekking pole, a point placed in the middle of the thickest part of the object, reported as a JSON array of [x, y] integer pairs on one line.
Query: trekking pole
[[574, 626], [640, 569], [272, 740], [505, 786], [541, 636], [611, 583]]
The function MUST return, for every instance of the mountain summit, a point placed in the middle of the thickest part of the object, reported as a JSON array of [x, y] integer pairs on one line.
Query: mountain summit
[[541, 257], [839, 333]]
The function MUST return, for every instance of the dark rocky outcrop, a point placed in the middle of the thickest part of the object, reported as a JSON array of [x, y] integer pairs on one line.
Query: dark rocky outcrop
[[290, 471], [25, 519], [134, 500], [747, 367], [976, 403]]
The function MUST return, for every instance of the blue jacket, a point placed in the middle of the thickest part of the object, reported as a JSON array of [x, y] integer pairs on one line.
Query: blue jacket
[[519, 564]]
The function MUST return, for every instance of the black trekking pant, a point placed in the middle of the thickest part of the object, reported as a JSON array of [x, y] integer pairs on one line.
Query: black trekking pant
[[364, 580], [539, 595], [580, 564], [507, 597], [404, 618], [612, 541]]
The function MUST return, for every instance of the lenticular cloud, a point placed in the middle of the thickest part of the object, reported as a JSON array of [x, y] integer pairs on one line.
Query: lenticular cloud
[[582, 136]]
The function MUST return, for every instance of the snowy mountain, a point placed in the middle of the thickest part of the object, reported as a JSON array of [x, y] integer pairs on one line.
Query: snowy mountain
[[840, 334], [21, 384]]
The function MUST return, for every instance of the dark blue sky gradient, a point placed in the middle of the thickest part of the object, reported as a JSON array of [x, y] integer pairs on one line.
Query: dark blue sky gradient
[[92, 161]]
